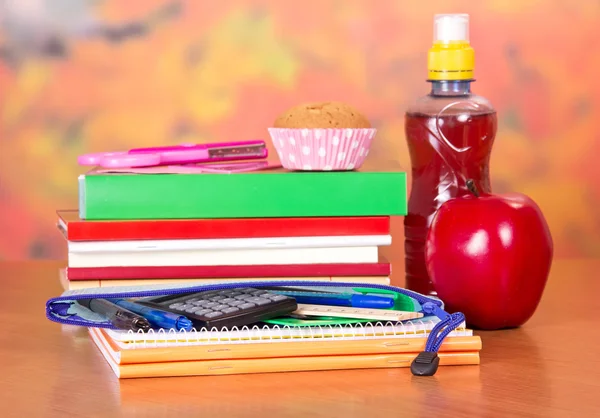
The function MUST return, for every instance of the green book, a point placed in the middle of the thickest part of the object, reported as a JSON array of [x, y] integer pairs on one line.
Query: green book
[[261, 194]]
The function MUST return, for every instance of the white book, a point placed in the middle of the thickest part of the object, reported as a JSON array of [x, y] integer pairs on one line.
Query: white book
[[228, 244], [202, 257]]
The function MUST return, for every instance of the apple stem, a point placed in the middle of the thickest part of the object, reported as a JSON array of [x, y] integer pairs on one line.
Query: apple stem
[[472, 188]]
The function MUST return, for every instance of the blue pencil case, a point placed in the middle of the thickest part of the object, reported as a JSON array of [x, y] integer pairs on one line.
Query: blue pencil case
[[65, 310]]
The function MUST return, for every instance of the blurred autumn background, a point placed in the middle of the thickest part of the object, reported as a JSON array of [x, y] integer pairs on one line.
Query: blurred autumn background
[[87, 75]]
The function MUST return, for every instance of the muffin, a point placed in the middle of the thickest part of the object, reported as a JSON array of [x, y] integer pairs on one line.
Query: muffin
[[322, 136]]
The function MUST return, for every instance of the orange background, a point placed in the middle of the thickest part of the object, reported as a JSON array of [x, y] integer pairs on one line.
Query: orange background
[[111, 75]]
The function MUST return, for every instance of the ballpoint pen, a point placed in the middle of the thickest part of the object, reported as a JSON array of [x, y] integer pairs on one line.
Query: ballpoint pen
[[117, 315], [339, 299], [157, 317]]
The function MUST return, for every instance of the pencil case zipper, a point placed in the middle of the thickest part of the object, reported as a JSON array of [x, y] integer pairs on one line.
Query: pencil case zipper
[[424, 365], [203, 288]]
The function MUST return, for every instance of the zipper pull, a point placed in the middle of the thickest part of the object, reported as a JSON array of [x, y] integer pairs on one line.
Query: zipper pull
[[425, 364], [432, 308]]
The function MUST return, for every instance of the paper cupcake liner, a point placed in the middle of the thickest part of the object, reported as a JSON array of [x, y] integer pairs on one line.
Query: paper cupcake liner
[[322, 149]]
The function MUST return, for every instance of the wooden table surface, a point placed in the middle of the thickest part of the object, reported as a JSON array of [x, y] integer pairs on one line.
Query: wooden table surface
[[549, 367]]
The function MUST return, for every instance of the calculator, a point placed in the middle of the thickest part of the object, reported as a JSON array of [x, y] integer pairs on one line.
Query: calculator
[[225, 308]]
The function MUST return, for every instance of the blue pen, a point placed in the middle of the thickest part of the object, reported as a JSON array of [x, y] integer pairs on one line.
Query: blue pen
[[340, 299], [157, 317]]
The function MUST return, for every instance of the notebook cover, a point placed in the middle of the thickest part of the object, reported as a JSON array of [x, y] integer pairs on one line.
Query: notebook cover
[[383, 268], [270, 365], [76, 229], [125, 353], [379, 190]]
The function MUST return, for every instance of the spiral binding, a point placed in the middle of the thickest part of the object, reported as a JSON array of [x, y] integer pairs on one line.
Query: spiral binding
[[279, 334]]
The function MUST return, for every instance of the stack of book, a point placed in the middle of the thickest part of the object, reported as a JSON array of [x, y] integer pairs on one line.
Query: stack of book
[[133, 229], [272, 225]]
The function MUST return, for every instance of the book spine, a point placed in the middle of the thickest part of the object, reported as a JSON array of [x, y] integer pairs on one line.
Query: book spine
[[85, 284], [181, 352], [226, 228], [159, 247], [242, 195], [240, 271], [248, 257]]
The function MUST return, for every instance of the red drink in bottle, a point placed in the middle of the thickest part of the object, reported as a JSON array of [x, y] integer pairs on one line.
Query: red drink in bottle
[[450, 133]]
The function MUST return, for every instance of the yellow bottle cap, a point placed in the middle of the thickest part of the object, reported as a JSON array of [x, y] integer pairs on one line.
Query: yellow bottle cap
[[451, 57]]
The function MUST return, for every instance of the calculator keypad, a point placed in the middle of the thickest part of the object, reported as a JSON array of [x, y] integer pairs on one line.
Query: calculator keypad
[[225, 301], [229, 304]]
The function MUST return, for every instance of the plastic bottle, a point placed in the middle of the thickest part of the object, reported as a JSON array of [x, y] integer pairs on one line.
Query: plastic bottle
[[450, 133]]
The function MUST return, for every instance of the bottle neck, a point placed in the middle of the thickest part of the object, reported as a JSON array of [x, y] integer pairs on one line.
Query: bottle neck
[[450, 87]]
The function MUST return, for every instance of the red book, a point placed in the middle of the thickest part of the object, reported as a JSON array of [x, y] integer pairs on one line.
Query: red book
[[383, 268], [76, 229]]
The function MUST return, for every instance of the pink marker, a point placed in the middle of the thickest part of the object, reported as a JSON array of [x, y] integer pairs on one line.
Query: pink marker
[[177, 154]]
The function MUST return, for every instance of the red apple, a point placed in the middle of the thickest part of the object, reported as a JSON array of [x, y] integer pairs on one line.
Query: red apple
[[489, 256]]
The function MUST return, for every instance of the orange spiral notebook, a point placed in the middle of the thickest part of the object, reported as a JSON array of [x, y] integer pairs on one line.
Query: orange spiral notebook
[[134, 355]]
